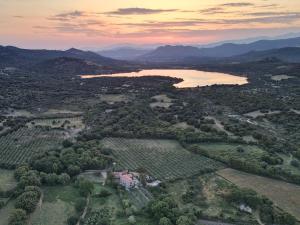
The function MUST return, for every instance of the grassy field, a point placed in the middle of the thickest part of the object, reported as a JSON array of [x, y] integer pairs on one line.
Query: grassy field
[[57, 206], [19, 146], [226, 151], [163, 159], [5, 212], [7, 180], [285, 195]]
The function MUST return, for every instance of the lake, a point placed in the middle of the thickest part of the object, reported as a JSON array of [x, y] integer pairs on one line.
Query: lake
[[191, 78]]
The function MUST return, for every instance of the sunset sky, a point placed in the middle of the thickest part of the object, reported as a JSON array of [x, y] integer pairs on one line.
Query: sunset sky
[[96, 23]]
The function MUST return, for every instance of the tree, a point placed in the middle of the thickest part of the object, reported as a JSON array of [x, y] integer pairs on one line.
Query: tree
[[183, 220], [17, 217], [73, 170], [28, 201], [72, 220], [30, 179], [79, 205], [131, 220], [21, 171], [165, 221], [85, 187]]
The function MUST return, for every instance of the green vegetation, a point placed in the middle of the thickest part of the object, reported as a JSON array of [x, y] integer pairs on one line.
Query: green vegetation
[[57, 206], [163, 159]]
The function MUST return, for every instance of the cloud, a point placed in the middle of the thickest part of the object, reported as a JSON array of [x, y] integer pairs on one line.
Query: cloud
[[139, 11], [237, 4], [72, 14], [213, 10], [19, 17]]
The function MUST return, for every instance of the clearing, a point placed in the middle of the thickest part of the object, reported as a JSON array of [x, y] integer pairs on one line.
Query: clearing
[[161, 101], [7, 180], [281, 77], [285, 195], [163, 159]]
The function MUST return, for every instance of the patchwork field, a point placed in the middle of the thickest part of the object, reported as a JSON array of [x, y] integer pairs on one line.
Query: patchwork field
[[7, 180], [163, 159], [19, 146], [285, 195], [57, 206]]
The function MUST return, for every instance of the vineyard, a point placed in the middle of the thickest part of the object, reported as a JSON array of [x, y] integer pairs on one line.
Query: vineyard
[[19, 146], [163, 159]]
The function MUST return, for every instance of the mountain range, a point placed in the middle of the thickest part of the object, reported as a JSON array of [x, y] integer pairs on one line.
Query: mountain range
[[178, 53]]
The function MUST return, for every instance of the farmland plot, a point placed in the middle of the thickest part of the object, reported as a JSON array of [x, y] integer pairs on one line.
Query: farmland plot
[[19, 146], [163, 159], [285, 195]]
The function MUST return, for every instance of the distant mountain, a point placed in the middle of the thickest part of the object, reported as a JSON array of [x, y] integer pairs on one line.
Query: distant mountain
[[178, 53], [65, 65], [170, 53], [126, 53], [17, 57], [250, 40], [290, 54]]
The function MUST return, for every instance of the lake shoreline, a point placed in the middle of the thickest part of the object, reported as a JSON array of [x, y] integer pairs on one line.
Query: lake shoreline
[[191, 78]]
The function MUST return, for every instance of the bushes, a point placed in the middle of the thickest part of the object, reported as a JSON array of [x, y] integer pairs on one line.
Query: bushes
[[85, 187], [99, 217], [245, 196], [103, 193], [18, 217], [28, 200], [80, 205]]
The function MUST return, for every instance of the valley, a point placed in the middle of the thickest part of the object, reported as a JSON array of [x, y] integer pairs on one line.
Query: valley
[[128, 149]]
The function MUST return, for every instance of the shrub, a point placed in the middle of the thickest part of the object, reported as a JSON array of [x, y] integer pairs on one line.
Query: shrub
[[17, 217]]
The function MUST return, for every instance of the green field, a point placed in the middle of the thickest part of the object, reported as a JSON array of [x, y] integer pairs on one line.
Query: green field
[[7, 180], [5, 212], [57, 206], [163, 159], [224, 151], [19, 146]]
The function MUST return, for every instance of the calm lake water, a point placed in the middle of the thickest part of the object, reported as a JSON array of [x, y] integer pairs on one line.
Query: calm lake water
[[192, 78]]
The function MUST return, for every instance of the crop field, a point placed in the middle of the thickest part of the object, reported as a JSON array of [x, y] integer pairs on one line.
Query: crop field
[[19, 146], [140, 197], [285, 195], [163, 159]]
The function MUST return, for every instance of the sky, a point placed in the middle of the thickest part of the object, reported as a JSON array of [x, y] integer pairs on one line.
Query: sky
[[61, 24]]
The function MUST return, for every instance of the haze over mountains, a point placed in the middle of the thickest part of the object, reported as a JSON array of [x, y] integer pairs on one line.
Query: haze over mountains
[[75, 61]]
